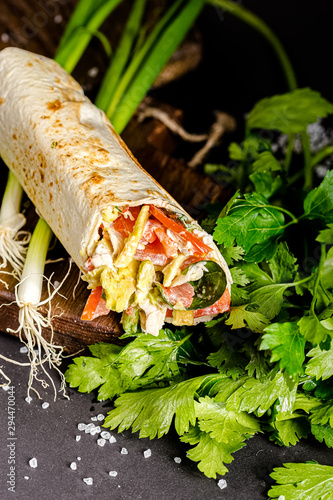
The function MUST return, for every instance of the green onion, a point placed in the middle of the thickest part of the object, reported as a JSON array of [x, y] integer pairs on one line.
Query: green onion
[[31, 321], [258, 24], [121, 55], [30, 290], [150, 60], [13, 242], [71, 50], [79, 18]]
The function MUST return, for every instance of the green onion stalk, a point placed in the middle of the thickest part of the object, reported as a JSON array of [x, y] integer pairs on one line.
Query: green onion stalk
[[13, 240], [32, 323]]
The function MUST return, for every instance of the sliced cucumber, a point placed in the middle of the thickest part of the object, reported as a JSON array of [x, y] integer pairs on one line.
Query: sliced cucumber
[[210, 287]]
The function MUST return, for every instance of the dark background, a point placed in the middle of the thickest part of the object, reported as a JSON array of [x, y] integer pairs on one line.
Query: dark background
[[238, 68]]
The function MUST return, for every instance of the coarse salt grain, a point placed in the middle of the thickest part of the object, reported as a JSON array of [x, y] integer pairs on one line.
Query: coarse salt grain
[[94, 431], [101, 442], [88, 480], [81, 427], [94, 419], [105, 435], [33, 463], [88, 428], [78, 458], [100, 417], [26, 477], [147, 453], [222, 483], [5, 387], [113, 473], [23, 349], [77, 438], [4, 37], [45, 405], [73, 466], [124, 451], [57, 19], [28, 399], [177, 460], [112, 440]]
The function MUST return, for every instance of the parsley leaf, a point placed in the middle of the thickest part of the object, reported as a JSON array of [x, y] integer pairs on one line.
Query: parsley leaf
[[255, 224], [88, 373], [297, 481], [323, 433], [258, 396], [258, 365], [320, 364], [240, 317], [289, 431], [228, 362], [232, 253], [313, 329], [144, 361], [224, 425], [287, 345], [291, 112], [323, 414], [265, 183], [221, 433], [151, 411], [318, 203], [283, 265], [326, 235], [266, 162], [327, 274], [268, 299], [208, 452]]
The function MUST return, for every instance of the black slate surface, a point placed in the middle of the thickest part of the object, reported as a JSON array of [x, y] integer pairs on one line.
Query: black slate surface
[[49, 436]]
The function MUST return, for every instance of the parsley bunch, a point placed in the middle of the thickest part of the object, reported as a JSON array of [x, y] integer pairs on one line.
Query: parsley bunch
[[267, 365]]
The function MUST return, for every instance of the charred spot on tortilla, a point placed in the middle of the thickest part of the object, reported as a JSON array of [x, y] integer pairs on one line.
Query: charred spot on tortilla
[[54, 106]]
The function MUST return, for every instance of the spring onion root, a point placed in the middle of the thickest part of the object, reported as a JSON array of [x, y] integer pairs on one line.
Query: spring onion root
[[32, 322], [13, 241]]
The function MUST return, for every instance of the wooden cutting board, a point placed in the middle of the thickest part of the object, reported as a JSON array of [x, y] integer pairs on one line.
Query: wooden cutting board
[[150, 141]]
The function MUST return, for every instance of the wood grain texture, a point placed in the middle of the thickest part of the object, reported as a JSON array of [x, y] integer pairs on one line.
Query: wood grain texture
[[150, 141]]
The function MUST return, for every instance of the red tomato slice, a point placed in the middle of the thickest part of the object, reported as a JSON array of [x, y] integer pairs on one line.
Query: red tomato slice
[[199, 248], [181, 293], [153, 251], [222, 305], [95, 306], [149, 235], [170, 246], [124, 225], [189, 261]]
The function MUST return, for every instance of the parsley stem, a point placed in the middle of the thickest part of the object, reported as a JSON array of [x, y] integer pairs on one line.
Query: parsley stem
[[258, 24], [300, 282], [295, 177], [294, 219], [289, 153], [307, 162], [182, 341], [321, 155], [318, 277]]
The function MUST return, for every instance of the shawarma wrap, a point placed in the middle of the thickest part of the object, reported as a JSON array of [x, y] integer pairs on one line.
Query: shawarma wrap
[[139, 251]]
